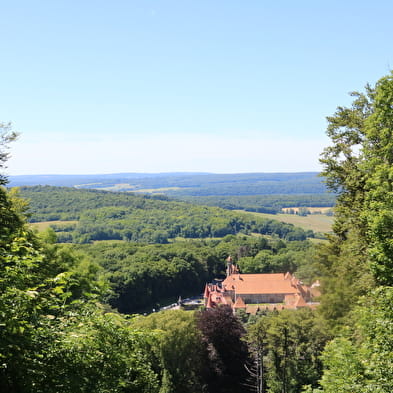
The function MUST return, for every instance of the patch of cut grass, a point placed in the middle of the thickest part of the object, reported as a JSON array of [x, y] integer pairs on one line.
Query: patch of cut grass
[[315, 222], [322, 210], [41, 226]]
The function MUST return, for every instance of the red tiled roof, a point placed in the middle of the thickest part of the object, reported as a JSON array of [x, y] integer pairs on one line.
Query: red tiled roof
[[276, 283]]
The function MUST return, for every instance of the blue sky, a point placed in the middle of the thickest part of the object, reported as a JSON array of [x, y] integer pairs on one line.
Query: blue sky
[[158, 86]]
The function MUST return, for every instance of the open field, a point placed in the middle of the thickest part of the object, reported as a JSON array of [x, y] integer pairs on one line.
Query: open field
[[322, 210], [315, 222], [161, 190], [41, 226], [118, 187]]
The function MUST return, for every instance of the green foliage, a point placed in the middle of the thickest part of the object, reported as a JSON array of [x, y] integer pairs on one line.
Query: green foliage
[[378, 164], [53, 335], [287, 346], [360, 254], [121, 216], [344, 259], [100, 353], [227, 353], [361, 359], [292, 257], [179, 350]]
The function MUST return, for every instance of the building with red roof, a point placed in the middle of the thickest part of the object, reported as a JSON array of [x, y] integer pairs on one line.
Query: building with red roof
[[258, 292]]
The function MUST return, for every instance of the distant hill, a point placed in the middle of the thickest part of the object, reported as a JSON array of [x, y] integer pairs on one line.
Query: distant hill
[[85, 181], [186, 184]]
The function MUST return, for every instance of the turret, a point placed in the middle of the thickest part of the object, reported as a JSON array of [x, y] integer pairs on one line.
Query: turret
[[229, 266]]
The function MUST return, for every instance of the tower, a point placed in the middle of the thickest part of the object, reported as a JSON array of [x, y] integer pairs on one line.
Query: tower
[[229, 266]]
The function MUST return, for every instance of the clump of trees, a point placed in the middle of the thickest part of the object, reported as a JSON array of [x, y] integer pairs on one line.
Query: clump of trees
[[358, 261], [286, 348]]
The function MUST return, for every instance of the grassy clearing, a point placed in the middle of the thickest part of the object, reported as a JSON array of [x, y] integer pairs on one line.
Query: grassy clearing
[[119, 187], [136, 188], [157, 190], [315, 222], [322, 210], [41, 226]]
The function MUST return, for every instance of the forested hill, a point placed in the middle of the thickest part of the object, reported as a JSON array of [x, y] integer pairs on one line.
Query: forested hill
[[191, 184], [258, 192], [102, 215]]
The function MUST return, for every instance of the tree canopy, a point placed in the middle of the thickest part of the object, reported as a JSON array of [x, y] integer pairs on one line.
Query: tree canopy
[[358, 262]]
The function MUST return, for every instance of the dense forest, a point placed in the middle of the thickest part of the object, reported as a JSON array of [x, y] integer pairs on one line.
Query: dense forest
[[272, 204], [192, 184], [104, 215], [60, 330]]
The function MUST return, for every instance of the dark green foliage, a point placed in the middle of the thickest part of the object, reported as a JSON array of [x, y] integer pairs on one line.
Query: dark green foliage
[[292, 257], [227, 353], [144, 276]]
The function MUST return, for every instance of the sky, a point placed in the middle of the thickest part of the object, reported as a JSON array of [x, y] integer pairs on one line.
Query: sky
[[161, 86]]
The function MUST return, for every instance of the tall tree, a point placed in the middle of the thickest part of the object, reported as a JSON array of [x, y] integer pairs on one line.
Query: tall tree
[[344, 260], [227, 353], [359, 166], [378, 165]]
